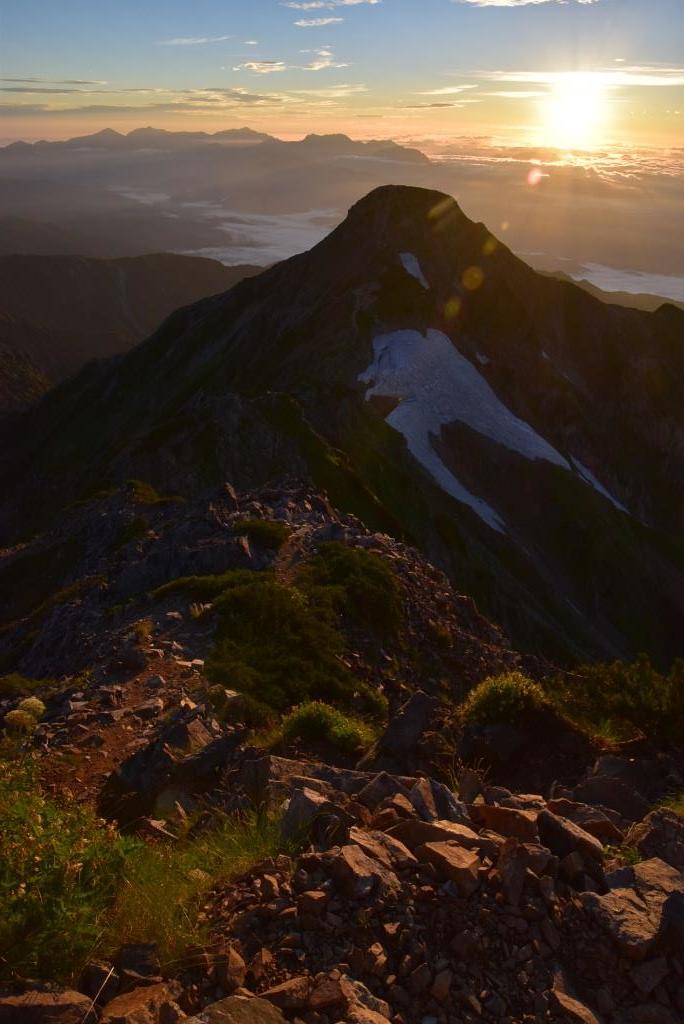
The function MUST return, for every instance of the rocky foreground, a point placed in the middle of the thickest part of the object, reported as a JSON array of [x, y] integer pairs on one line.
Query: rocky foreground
[[414, 889]]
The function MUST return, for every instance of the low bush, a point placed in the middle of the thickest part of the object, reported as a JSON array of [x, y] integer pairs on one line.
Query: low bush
[[316, 722], [361, 583], [142, 493], [509, 697], [266, 532], [18, 721], [624, 697], [32, 706], [276, 645], [206, 588], [16, 685]]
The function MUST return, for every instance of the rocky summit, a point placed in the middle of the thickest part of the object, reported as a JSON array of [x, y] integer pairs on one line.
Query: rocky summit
[[319, 691]]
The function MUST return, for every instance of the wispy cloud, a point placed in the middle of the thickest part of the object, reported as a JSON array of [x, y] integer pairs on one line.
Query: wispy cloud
[[326, 5], [520, 3], [52, 81], [322, 60], [650, 75], [447, 90], [192, 40], [316, 22]]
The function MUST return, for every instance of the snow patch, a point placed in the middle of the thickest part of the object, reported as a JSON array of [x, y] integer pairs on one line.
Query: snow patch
[[589, 478], [412, 266], [437, 385]]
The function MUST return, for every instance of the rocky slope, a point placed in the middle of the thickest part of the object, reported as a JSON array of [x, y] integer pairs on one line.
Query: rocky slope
[[526, 436], [413, 888], [62, 311]]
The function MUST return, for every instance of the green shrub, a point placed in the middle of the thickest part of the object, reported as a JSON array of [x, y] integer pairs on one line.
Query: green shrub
[[266, 532], [142, 493], [623, 697], [14, 685], [205, 588], [32, 706], [60, 869], [135, 529], [509, 697], [276, 645], [361, 583], [72, 888], [18, 721], [316, 721]]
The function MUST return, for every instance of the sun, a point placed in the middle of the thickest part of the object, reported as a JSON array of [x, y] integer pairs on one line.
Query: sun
[[575, 113]]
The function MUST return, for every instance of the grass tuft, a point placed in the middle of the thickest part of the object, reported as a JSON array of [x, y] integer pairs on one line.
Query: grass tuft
[[509, 697], [265, 532], [316, 722]]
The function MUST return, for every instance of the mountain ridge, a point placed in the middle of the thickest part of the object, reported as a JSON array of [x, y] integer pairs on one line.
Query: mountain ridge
[[268, 373]]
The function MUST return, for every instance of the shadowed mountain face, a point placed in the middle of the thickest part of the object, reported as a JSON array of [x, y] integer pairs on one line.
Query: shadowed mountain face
[[58, 312], [526, 436]]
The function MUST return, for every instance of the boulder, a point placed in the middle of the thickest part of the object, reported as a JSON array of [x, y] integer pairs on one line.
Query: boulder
[[507, 821], [562, 837], [571, 1009], [396, 748], [35, 1007], [453, 864], [613, 793], [146, 1004], [358, 876], [389, 850], [597, 821], [381, 787], [309, 811], [636, 911], [239, 1010], [413, 833], [291, 995], [661, 834]]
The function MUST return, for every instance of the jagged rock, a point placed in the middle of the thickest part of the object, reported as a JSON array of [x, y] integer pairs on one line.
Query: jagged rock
[[381, 846], [432, 800], [413, 833], [145, 1005], [239, 1010], [563, 837], [140, 960], [597, 821], [507, 821], [231, 970], [36, 1007], [381, 787], [661, 834], [291, 995], [99, 982], [572, 1010], [452, 863], [635, 908], [358, 875], [613, 793], [396, 748], [307, 809]]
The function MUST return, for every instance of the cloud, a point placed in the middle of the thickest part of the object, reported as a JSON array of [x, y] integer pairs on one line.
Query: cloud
[[321, 61], [448, 90], [51, 81], [316, 22], [326, 5], [262, 67], [519, 3], [192, 40], [652, 75]]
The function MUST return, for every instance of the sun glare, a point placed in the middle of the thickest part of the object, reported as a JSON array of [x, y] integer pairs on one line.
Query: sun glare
[[575, 114]]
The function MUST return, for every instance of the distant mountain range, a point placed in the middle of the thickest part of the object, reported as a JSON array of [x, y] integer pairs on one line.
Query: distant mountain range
[[58, 312], [526, 436]]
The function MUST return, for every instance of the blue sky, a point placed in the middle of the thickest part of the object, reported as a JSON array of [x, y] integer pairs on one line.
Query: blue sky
[[390, 67]]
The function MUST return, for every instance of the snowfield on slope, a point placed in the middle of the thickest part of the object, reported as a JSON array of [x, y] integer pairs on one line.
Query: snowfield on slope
[[411, 265], [436, 385]]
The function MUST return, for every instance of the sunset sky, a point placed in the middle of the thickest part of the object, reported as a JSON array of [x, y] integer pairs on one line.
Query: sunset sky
[[574, 74]]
